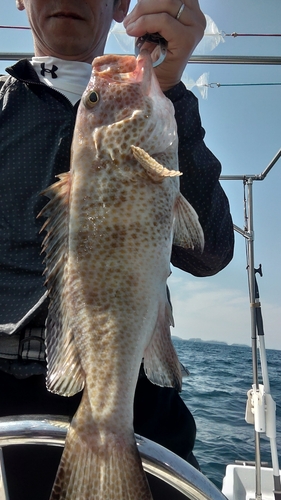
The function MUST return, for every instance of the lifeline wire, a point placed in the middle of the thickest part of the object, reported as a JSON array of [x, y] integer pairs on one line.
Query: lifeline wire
[[16, 27], [234, 34], [213, 85], [222, 33]]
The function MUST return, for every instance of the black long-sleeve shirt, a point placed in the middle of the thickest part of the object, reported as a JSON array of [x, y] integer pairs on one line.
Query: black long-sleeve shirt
[[36, 128]]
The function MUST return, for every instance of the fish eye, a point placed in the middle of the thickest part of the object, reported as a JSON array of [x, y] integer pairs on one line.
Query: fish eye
[[91, 99]]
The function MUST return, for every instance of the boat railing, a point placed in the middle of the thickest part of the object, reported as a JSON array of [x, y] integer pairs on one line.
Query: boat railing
[[195, 59], [157, 460], [261, 408]]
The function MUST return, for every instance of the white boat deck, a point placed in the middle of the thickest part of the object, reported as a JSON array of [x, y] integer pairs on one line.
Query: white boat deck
[[239, 483]]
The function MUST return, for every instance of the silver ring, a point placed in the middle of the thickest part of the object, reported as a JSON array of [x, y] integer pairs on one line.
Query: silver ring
[[180, 11]]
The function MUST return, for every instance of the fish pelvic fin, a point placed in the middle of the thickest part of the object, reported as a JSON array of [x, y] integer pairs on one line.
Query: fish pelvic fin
[[98, 464], [161, 363], [64, 373], [188, 232], [154, 170]]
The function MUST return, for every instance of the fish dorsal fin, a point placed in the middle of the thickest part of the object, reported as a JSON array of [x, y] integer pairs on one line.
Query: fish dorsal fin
[[64, 373], [188, 232], [161, 363], [154, 170]]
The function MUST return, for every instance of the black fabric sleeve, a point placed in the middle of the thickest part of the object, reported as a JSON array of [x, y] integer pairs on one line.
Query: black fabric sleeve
[[200, 186]]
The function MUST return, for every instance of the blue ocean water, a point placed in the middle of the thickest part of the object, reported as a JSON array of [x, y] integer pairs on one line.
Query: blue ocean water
[[216, 394]]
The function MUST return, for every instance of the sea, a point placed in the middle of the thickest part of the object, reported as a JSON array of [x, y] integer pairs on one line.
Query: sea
[[216, 394]]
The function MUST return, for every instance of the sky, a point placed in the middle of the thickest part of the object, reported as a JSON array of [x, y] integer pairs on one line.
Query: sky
[[243, 130]]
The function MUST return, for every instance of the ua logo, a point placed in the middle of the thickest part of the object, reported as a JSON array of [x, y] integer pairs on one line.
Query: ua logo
[[46, 70]]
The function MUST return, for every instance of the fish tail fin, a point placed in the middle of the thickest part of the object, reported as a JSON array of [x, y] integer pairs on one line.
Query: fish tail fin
[[99, 467]]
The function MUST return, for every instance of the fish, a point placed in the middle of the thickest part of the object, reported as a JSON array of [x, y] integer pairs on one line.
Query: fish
[[110, 224]]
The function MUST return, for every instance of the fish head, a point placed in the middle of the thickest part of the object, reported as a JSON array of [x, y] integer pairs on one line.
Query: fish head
[[123, 105]]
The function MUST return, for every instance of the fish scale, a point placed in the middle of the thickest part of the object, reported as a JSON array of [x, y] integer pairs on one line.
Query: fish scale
[[110, 226]]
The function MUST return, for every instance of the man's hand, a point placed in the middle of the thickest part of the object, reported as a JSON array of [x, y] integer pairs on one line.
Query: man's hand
[[182, 34]]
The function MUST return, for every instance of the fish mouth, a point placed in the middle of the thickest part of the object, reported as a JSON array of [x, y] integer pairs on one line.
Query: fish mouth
[[125, 69]]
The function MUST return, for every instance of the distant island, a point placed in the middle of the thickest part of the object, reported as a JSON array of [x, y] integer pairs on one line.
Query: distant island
[[208, 341], [198, 340]]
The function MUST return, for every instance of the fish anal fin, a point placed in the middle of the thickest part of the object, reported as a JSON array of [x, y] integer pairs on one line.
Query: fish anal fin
[[188, 232], [64, 373], [161, 363], [153, 168]]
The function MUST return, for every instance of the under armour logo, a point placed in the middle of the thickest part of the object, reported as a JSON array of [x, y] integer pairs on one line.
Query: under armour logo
[[46, 70]]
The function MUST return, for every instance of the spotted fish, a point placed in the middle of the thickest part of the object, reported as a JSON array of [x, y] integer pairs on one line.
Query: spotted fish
[[111, 222]]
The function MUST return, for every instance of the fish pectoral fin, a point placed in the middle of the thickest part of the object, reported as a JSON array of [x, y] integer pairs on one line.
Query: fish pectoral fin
[[188, 232], [161, 363], [154, 170], [64, 374]]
